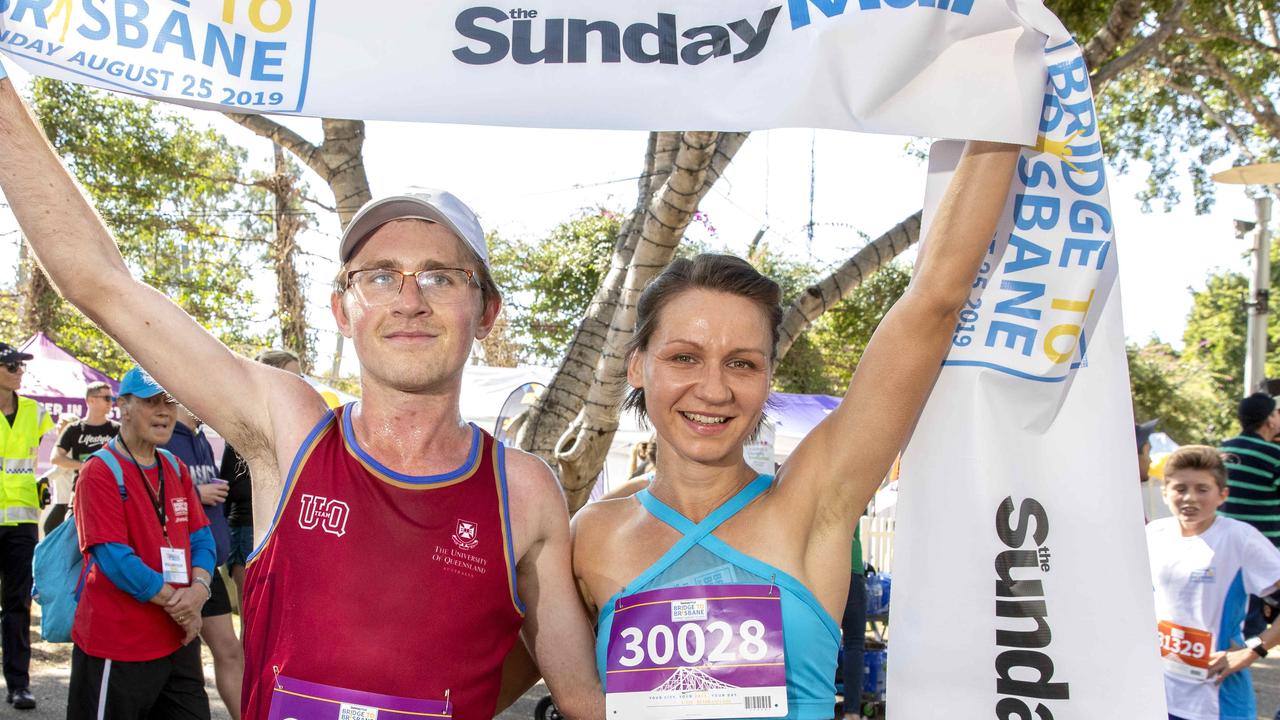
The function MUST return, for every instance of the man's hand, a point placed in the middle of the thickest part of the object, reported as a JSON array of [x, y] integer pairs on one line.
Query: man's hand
[[185, 603], [192, 628], [212, 493], [1228, 662]]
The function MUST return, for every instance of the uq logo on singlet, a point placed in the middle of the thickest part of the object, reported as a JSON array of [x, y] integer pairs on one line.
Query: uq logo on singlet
[[328, 515], [465, 534]]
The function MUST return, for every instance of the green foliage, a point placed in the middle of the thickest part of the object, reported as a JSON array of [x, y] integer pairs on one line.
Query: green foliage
[[805, 370], [549, 283], [1181, 392], [1215, 331], [832, 347], [1204, 94], [164, 188], [1214, 338]]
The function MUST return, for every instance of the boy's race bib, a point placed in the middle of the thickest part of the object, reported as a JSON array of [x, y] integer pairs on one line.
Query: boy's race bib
[[1185, 650]]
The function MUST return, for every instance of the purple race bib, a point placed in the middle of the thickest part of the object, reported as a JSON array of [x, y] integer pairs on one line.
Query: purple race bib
[[294, 699], [704, 651]]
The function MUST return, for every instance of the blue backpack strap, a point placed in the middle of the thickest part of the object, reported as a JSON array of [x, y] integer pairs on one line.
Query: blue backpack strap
[[113, 464], [172, 460]]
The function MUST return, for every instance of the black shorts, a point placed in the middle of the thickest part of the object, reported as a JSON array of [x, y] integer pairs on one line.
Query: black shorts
[[219, 601], [168, 687]]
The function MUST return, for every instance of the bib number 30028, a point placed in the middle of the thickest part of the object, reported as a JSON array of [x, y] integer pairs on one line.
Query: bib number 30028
[[709, 651], [690, 643]]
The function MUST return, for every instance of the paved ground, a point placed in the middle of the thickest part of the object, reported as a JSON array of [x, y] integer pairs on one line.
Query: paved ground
[[51, 671]]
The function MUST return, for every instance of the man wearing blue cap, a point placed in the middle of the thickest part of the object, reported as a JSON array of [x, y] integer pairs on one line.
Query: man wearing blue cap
[[458, 546], [152, 555], [23, 424]]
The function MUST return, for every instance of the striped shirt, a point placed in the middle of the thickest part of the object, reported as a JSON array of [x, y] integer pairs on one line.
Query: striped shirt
[[1253, 475]]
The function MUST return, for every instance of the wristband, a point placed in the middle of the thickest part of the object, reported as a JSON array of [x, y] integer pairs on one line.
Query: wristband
[[3, 74], [208, 589], [1255, 644]]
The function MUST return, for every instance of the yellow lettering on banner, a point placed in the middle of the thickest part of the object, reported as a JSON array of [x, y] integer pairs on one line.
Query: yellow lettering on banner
[[255, 15], [63, 7], [1073, 331], [1066, 329], [1080, 306], [285, 8]]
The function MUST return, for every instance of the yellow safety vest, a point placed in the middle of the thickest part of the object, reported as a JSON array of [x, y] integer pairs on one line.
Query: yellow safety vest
[[18, 446]]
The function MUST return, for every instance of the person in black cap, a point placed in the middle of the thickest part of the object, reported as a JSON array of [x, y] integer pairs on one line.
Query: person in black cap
[[25, 421], [1253, 478]]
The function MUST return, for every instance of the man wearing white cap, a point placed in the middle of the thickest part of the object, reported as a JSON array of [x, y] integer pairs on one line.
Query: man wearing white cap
[[400, 551]]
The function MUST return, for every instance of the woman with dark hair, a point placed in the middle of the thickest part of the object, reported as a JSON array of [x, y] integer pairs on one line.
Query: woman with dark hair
[[724, 582]]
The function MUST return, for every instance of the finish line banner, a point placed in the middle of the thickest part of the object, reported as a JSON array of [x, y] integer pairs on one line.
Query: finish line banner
[[1023, 589], [1021, 584], [939, 68]]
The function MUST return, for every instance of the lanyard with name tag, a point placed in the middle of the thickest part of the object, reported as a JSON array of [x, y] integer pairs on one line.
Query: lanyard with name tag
[[173, 561], [703, 651]]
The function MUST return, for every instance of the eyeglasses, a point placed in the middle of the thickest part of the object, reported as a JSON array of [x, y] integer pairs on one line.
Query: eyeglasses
[[108, 398], [381, 286], [14, 367]]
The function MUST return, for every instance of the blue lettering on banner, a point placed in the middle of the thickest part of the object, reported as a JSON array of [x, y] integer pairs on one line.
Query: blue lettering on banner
[[250, 54], [1029, 310], [800, 17]]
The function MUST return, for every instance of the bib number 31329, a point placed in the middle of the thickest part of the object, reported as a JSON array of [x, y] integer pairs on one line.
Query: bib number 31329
[[1185, 651], [705, 651]]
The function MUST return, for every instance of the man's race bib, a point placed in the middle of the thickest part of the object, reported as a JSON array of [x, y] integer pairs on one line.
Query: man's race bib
[[704, 651], [294, 699], [1185, 650]]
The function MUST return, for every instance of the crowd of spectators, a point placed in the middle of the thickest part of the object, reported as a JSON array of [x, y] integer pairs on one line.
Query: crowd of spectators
[[160, 517]]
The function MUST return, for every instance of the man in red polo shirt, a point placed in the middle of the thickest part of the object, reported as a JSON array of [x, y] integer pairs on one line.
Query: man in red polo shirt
[[150, 557]]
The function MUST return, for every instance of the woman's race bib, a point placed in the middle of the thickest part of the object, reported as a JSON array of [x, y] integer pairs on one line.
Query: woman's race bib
[[703, 651], [294, 699], [1185, 650]]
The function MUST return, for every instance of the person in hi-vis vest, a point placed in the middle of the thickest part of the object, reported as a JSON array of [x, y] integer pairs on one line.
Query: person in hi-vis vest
[[24, 423]]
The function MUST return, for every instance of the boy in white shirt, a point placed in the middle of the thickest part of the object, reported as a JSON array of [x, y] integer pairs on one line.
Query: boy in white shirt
[[1204, 568]]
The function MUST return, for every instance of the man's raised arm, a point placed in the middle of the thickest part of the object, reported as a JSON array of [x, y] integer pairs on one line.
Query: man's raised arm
[[81, 258]]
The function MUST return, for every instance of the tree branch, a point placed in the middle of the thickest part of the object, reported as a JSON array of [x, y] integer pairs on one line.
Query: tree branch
[[1260, 107], [1235, 37], [1169, 23], [1124, 17], [1232, 131], [822, 295], [286, 138]]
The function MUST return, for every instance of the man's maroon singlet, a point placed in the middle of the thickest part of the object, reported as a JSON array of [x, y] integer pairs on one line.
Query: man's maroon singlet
[[377, 582]]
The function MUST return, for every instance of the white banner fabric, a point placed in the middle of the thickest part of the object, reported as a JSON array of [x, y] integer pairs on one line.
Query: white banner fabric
[[936, 68], [1022, 588]]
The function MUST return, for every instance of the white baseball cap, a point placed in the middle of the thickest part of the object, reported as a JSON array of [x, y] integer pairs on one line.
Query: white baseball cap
[[436, 206]]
